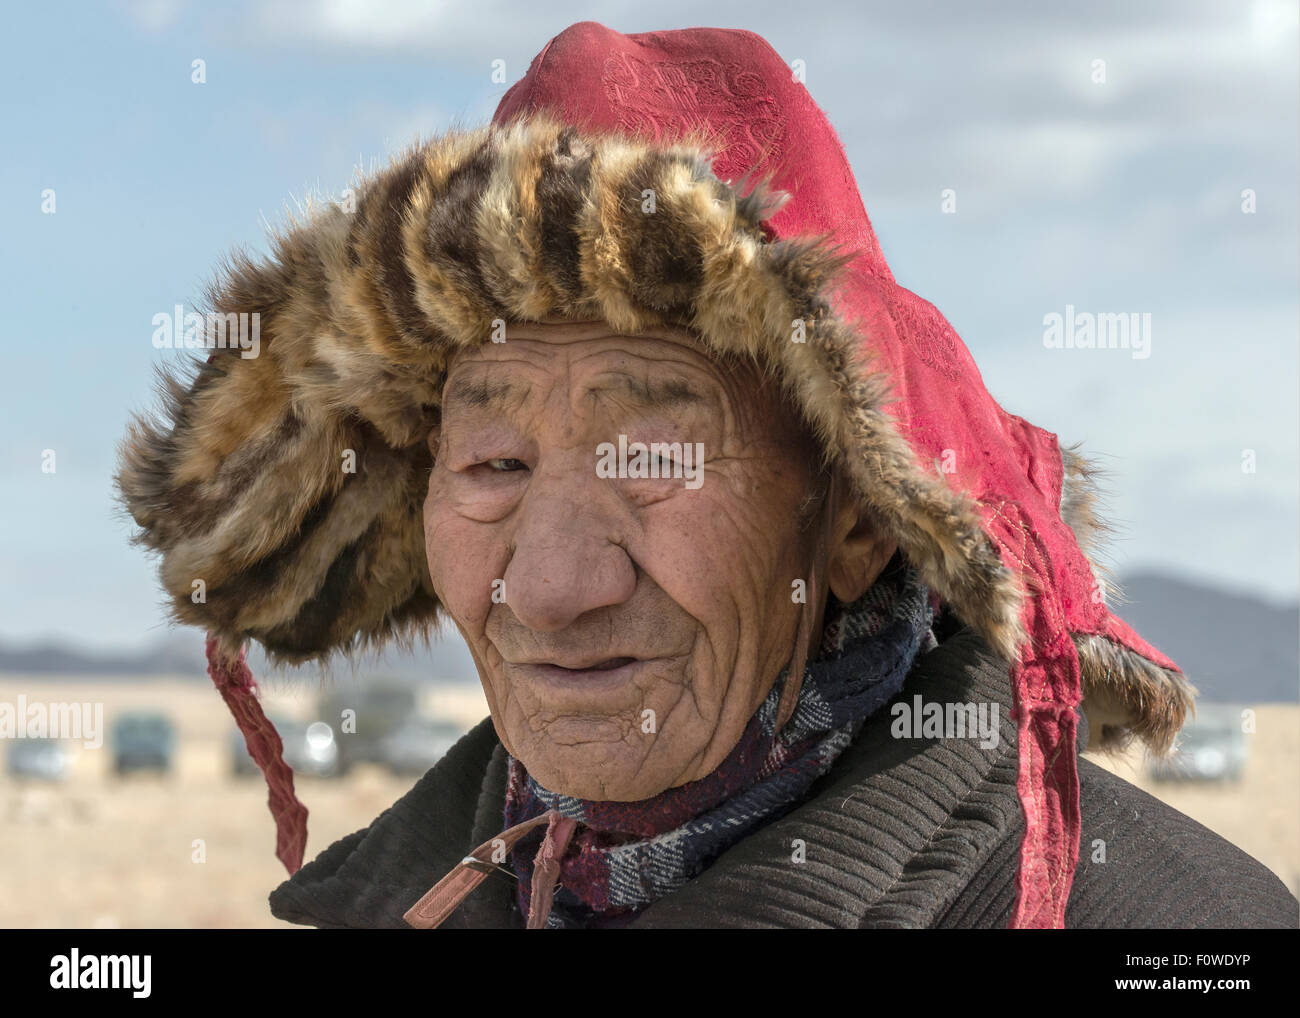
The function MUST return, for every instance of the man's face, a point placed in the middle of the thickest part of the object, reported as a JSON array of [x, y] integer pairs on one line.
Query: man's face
[[625, 628]]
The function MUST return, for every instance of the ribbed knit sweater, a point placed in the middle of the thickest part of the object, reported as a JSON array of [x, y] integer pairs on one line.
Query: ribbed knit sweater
[[902, 832]]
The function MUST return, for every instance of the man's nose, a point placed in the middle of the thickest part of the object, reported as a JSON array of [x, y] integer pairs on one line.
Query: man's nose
[[565, 561]]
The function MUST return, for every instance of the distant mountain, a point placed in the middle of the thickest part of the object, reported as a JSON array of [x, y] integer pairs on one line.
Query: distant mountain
[[180, 653], [173, 655], [1234, 648], [448, 660]]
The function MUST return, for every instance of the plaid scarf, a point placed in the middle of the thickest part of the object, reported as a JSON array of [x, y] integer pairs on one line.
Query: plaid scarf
[[629, 854]]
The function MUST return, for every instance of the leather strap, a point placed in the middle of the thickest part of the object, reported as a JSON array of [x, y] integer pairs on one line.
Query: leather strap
[[444, 897]]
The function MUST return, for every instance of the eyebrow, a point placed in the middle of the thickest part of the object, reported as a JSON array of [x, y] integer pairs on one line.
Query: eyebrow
[[668, 394], [480, 394]]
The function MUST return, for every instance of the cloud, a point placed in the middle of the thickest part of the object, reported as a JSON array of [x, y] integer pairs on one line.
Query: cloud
[[153, 16]]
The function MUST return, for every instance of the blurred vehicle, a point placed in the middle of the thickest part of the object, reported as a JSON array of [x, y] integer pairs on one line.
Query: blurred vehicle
[[1210, 748], [363, 716], [43, 759], [417, 744], [143, 741], [309, 749]]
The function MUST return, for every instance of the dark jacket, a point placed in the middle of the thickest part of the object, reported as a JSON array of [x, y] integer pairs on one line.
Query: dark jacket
[[900, 833]]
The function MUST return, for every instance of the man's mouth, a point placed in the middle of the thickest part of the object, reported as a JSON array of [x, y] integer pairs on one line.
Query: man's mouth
[[599, 666], [577, 671]]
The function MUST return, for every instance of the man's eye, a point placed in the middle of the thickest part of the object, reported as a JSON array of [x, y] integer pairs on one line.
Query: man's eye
[[507, 464]]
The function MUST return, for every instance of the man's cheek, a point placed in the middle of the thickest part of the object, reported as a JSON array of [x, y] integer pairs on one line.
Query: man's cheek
[[695, 556], [460, 570]]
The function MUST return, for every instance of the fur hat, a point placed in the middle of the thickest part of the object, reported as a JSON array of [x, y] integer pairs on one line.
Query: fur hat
[[758, 243]]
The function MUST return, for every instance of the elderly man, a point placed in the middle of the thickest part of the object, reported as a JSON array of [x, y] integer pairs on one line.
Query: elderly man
[[781, 619]]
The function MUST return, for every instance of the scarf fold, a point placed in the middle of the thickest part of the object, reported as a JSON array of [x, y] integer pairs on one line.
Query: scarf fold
[[625, 855]]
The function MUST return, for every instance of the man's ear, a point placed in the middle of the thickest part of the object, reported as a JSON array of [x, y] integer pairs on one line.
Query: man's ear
[[859, 550]]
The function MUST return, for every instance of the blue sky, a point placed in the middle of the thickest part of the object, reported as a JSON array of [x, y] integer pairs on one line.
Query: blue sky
[[1123, 196]]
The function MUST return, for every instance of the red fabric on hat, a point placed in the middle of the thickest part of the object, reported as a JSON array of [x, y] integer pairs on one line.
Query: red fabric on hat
[[234, 681], [662, 85]]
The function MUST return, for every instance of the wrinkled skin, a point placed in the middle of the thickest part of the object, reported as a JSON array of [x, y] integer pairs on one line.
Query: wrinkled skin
[[640, 623]]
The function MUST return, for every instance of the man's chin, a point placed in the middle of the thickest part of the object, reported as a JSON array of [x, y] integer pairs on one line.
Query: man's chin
[[593, 758]]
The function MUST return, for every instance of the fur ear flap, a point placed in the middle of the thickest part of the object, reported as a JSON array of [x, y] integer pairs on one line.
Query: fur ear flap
[[1125, 696], [277, 486]]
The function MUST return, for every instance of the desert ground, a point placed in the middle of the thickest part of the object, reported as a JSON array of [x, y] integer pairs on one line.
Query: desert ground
[[195, 848]]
